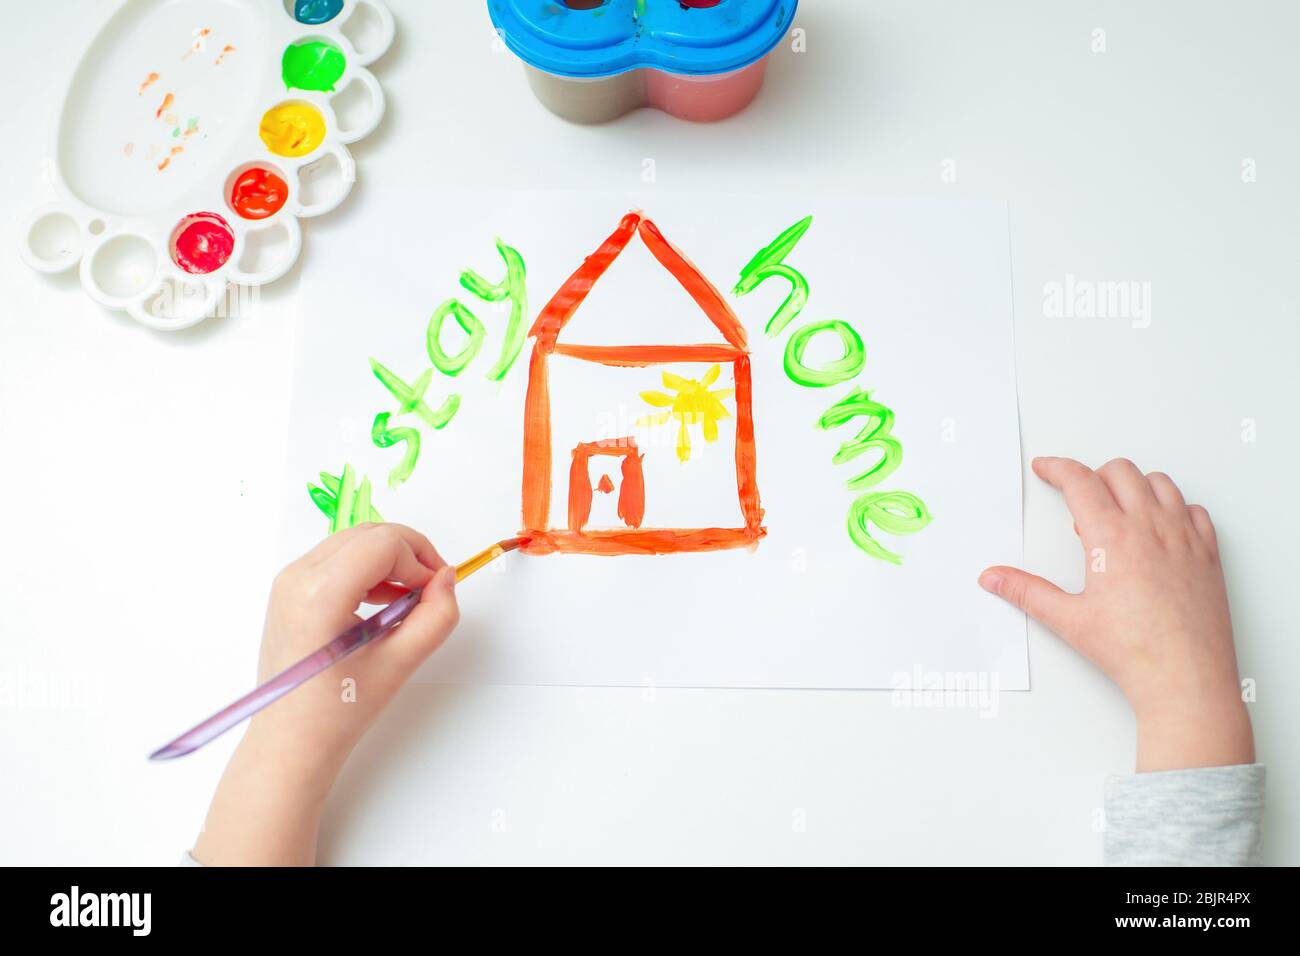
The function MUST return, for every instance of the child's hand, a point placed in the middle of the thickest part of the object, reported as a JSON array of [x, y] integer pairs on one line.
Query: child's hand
[[1153, 614], [315, 599], [267, 806]]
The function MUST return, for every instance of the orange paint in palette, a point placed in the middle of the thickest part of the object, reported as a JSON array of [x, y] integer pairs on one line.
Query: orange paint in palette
[[202, 243], [258, 193]]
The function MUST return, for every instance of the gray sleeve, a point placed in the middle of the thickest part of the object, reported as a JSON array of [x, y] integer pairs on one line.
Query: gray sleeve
[[1204, 817]]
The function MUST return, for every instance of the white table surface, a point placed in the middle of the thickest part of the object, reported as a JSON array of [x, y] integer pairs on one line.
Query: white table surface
[[142, 471]]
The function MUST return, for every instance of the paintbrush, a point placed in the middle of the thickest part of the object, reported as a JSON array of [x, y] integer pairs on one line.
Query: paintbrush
[[357, 636]]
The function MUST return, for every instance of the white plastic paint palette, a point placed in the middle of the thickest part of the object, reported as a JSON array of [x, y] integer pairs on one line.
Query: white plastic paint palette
[[193, 137]]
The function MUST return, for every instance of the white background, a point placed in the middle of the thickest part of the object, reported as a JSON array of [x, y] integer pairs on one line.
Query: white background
[[142, 472]]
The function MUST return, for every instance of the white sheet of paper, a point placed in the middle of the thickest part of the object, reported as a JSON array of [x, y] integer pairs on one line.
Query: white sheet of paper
[[927, 286]]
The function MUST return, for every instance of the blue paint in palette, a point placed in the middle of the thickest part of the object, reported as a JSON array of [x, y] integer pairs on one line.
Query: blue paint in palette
[[316, 11]]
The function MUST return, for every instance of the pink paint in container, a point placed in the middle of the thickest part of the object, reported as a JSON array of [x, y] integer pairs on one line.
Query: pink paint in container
[[590, 61]]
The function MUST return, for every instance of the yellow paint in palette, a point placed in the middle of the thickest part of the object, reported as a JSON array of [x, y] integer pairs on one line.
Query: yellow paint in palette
[[292, 129]]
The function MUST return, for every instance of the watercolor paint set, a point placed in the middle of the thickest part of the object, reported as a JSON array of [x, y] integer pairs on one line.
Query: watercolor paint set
[[192, 138], [590, 61]]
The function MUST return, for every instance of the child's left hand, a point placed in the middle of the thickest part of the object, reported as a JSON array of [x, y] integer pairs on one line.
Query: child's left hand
[[267, 806]]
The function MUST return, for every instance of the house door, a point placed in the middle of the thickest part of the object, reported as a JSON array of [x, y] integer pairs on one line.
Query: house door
[[583, 488]]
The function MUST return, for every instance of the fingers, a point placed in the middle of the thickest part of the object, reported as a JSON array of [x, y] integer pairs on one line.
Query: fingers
[[333, 542], [1116, 485], [1039, 598], [383, 555], [421, 545], [1086, 495], [1128, 486], [428, 626], [1166, 492], [331, 565], [1204, 526], [306, 570], [316, 597]]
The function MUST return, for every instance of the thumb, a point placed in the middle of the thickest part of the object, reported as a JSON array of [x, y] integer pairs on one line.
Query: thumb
[[437, 615], [1039, 598]]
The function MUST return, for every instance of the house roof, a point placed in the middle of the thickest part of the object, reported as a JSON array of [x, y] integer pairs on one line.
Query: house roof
[[557, 313]]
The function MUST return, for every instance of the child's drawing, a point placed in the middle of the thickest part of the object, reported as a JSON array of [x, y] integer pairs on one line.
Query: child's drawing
[[690, 405], [767, 409], [343, 501], [693, 403]]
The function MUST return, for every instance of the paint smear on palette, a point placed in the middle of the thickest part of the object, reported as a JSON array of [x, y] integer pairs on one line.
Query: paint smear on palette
[[165, 105], [200, 41], [128, 149], [605, 486], [149, 81], [202, 243], [225, 51], [172, 153]]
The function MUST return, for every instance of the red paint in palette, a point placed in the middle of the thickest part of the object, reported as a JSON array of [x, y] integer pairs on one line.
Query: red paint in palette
[[202, 243], [258, 193]]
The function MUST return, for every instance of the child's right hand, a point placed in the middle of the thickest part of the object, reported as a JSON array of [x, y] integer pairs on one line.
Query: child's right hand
[[1153, 614], [267, 808]]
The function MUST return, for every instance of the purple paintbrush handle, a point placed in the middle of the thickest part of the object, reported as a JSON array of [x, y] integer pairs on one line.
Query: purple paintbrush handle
[[358, 635]]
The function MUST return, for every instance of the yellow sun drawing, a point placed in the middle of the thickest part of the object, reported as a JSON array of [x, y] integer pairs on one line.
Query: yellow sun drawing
[[694, 404]]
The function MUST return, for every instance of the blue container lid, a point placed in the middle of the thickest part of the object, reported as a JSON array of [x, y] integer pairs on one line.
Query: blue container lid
[[622, 35]]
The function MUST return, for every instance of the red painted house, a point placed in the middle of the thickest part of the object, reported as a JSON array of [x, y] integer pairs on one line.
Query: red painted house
[[539, 455]]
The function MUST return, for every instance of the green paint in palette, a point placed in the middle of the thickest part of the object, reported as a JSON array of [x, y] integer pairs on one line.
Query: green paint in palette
[[312, 65]]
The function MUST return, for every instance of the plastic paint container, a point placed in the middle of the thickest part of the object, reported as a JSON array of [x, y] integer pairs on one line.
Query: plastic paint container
[[590, 61]]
